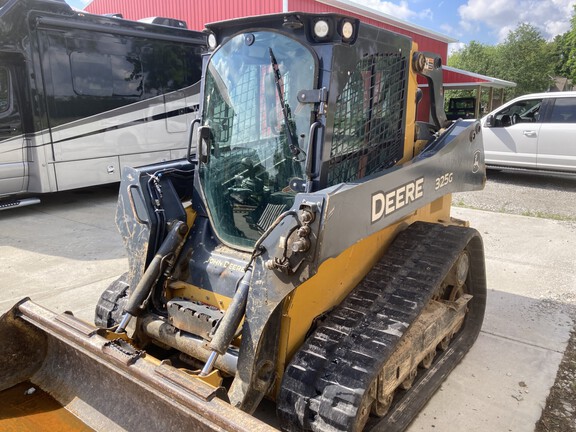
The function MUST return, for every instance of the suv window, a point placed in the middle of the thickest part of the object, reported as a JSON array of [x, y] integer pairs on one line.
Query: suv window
[[525, 111], [564, 111]]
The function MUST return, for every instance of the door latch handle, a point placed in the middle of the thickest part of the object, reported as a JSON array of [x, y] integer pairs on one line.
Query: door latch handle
[[529, 133], [7, 129]]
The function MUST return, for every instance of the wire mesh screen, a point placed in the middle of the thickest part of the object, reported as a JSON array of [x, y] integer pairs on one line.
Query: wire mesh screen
[[368, 129], [235, 123]]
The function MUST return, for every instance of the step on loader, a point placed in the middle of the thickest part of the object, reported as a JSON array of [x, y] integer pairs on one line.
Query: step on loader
[[303, 254]]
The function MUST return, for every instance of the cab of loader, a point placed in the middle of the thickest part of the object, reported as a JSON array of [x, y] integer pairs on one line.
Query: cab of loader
[[304, 252], [290, 104], [266, 131]]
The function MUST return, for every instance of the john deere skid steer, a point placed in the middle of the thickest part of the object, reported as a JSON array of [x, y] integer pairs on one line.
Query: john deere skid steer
[[303, 254]]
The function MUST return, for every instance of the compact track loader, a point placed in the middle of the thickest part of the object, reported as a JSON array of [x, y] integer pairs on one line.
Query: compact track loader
[[303, 254]]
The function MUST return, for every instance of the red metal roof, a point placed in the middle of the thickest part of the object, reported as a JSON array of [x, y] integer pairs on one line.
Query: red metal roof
[[198, 12]]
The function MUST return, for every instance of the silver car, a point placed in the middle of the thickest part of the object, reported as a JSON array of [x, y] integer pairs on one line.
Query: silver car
[[534, 131]]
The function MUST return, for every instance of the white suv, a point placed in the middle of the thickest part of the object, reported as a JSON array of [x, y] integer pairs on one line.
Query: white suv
[[534, 131]]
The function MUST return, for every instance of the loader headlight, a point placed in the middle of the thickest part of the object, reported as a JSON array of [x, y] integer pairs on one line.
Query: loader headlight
[[212, 42], [321, 29], [347, 31]]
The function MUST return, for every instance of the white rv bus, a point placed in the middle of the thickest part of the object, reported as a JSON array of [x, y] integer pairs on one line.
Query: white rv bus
[[83, 95]]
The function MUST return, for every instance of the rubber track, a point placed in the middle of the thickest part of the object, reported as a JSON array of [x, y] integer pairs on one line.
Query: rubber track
[[326, 380]]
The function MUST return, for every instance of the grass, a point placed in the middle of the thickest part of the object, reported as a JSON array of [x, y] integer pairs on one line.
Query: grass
[[537, 214], [544, 215], [461, 203]]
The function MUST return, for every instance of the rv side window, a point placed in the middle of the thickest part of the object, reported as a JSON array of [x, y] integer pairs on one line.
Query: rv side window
[[175, 68], [96, 74], [127, 73], [4, 89], [169, 67], [92, 74]]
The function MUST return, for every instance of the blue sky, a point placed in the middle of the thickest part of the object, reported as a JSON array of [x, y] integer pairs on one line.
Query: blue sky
[[485, 21]]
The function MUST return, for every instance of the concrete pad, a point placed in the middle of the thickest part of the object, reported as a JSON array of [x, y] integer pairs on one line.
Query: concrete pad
[[62, 253], [500, 386], [503, 382]]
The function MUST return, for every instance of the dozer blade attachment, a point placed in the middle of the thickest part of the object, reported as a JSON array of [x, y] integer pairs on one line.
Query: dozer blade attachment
[[108, 385]]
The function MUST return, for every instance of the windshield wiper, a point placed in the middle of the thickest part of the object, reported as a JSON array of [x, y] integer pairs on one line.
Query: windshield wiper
[[292, 141]]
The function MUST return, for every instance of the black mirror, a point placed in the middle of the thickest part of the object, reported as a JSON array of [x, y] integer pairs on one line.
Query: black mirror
[[490, 121], [204, 134]]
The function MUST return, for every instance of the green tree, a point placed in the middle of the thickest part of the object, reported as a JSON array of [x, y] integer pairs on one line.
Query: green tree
[[476, 57], [569, 50], [525, 59], [560, 51]]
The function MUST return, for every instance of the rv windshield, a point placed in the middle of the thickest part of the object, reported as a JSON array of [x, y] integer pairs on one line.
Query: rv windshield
[[258, 132]]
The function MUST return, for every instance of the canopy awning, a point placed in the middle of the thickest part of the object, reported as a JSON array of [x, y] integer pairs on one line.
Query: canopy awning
[[464, 80]]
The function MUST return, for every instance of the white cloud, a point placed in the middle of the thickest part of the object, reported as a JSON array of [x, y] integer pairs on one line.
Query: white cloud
[[400, 10], [447, 28], [551, 17], [455, 47], [426, 14]]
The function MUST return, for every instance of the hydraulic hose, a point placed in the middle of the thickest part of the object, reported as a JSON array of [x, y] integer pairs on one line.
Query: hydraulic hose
[[142, 291], [230, 322]]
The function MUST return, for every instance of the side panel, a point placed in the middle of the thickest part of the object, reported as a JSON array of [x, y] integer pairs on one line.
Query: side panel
[[514, 146], [13, 160], [83, 173], [115, 100], [336, 277]]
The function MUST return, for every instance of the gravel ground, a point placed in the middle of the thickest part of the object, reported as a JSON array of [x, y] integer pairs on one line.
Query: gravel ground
[[559, 415], [527, 194], [551, 197]]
